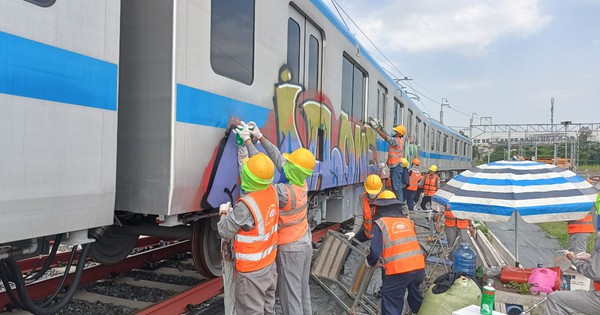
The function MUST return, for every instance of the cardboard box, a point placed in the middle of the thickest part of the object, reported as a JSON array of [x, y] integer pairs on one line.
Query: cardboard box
[[572, 280]]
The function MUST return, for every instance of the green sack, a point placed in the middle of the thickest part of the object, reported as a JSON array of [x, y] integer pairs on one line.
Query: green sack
[[462, 293]]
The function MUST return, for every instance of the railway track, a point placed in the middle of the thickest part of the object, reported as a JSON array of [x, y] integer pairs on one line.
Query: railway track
[[157, 278]]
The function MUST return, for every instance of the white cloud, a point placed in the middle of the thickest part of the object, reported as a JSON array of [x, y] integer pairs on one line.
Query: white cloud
[[466, 27]]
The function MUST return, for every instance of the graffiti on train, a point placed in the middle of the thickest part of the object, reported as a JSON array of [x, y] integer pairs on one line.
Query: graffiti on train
[[345, 148]]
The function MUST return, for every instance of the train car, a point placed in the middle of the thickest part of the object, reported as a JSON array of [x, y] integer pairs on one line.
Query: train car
[[187, 72]]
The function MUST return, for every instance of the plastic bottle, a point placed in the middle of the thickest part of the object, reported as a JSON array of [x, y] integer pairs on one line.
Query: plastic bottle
[[465, 259], [540, 263], [487, 298]]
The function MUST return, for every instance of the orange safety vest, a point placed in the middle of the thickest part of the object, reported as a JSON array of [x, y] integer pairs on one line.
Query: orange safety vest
[[368, 214], [413, 180], [395, 153], [584, 225], [257, 248], [401, 250], [429, 186], [596, 286], [293, 223], [452, 221]]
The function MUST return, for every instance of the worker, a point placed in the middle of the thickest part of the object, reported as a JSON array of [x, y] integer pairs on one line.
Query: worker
[[395, 154], [579, 302], [252, 223], [395, 242], [295, 239], [454, 227], [430, 184], [579, 232], [414, 179], [363, 221]]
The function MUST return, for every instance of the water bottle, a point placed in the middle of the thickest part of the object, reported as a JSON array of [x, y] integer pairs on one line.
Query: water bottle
[[465, 259], [487, 298]]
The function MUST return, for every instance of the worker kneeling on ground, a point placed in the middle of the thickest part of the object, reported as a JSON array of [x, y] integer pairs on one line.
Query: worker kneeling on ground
[[585, 302], [294, 240], [252, 223], [395, 241], [363, 221]]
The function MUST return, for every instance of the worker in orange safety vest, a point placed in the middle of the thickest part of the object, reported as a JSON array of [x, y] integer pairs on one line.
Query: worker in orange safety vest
[[363, 220], [579, 232], [414, 177], [395, 243], [395, 154], [453, 227], [252, 223], [430, 184]]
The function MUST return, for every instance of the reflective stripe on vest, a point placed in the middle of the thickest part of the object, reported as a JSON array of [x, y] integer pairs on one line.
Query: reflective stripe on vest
[[429, 186], [585, 225], [293, 222], [395, 153], [451, 221], [257, 248], [368, 214], [413, 179], [401, 251]]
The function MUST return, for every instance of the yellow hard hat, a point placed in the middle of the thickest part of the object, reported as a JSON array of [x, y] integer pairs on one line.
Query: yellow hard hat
[[261, 166], [433, 168], [416, 162], [386, 194], [400, 129], [302, 157], [404, 162], [373, 184]]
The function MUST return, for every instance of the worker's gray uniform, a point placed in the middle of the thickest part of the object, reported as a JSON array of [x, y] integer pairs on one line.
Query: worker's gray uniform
[[453, 232], [586, 302], [293, 259], [254, 291]]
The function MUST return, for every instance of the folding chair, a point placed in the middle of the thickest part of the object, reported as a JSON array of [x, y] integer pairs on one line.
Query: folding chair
[[442, 250]]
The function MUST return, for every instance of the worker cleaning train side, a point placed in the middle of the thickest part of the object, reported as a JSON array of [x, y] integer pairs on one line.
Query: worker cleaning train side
[[580, 302], [430, 184], [395, 154], [395, 241], [252, 223], [295, 239], [363, 220]]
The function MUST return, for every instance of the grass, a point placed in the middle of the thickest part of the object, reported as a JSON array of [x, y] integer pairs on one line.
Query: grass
[[558, 230]]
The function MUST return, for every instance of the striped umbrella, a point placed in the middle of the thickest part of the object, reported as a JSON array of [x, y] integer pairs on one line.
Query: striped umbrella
[[538, 192]]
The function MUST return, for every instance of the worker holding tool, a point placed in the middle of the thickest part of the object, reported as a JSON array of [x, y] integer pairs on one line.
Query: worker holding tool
[[363, 221], [295, 239], [252, 224], [395, 154], [395, 242], [580, 302]]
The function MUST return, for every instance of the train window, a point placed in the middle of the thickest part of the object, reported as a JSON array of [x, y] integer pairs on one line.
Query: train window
[[42, 3], [438, 139], [456, 147], [378, 111], [313, 63], [398, 112], [353, 89], [445, 149], [418, 131], [232, 39], [464, 149], [409, 124], [293, 49], [426, 140]]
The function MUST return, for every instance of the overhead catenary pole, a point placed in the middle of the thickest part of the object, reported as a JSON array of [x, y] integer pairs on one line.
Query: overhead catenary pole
[[444, 103], [552, 130]]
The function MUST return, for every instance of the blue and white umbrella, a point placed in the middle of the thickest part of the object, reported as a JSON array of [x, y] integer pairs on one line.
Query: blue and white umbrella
[[539, 192]]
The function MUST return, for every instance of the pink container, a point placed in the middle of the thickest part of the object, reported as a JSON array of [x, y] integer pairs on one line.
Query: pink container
[[542, 280]]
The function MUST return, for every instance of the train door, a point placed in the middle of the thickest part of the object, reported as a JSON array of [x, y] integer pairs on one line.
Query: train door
[[304, 59]]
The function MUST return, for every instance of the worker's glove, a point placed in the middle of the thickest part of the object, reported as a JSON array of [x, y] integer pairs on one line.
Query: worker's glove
[[380, 124], [243, 131], [350, 235], [584, 256], [224, 208], [373, 124], [254, 131], [562, 252]]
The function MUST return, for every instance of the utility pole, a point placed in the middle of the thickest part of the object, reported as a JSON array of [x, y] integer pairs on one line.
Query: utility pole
[[471, 126], [566, 124], [444, 103], [552, 130]]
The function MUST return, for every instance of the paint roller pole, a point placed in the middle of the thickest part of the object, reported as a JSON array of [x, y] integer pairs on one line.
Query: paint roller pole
[[516, 240]]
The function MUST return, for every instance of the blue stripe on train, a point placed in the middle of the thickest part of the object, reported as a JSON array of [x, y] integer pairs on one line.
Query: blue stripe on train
[[208, 109], [35, 70]]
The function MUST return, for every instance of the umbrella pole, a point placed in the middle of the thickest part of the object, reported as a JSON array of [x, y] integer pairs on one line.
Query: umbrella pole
[[516, 240]]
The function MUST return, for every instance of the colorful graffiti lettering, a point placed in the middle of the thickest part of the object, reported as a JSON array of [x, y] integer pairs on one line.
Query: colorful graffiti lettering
[[346, 151]]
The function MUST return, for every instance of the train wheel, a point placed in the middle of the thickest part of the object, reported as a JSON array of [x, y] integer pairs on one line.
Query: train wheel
[[206, 249], [112, 247]]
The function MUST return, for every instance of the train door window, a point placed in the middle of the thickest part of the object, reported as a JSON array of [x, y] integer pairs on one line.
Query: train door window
[[445, 148], [313, 64], [426, 139], [456, 147], [378, 112], [232, 39], [418, 131], [438, 139], [293, 49], [409, 123], [353, 87], [398, 112]]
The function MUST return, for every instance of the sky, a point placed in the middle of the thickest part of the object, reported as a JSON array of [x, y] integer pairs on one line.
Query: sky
[[503, 59]]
